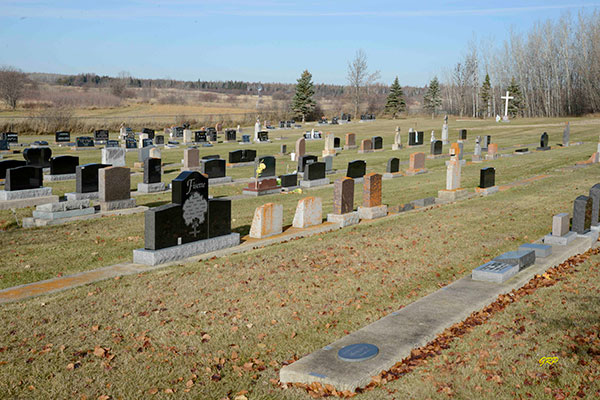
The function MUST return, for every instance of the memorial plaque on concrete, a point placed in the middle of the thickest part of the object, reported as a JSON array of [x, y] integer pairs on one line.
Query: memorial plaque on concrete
[[190, 190], [582, 214], [494, 271], [150, 132], [84, 141], [62, 165], [393, 165], [377, 142], [6, 164], [269, 162], [358, 352], [343, 195], [101, 135], [372, 190], [523, 258], [38, 156], [314, 171], [131, 143], [487, 177], [436, 147], [62, 136], [10, 137], [152, 170], [289, 180], [87, 177], [114, 183], [213, 168], [356, 169], [23, 178], [219, 217]]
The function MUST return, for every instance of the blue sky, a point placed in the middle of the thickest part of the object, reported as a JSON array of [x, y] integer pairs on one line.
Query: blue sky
[[262, 40]]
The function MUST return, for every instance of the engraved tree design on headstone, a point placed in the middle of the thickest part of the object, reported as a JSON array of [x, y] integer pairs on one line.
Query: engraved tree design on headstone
[[194, 211]]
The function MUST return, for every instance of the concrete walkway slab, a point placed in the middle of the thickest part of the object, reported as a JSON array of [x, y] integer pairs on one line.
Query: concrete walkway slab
[[397, 334]]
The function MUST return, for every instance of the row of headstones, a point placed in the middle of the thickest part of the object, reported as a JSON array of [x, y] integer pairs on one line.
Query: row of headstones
[[586, 215]]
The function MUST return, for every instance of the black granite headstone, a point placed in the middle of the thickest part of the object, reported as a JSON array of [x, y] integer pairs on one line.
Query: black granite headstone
[[263, 136], [23, 178], [436, 147], [149, 132], [152, 170], [200, 136], [219, 217], [419, 137], [595, 196], [462, 134], [412, 138], [304, 160], [248, 155], [61, 165], [393, 165], [163, 226], [159, 139], [6, 164], [356, 169], [84, 141], [211, 157], [177, 131], [544, 142], [377, 142], [112, 143], [314, 171], [147, 142], [230, 135], [211, 134], [4, 145], [487, 177], [235, 156], [131, 143], [62, 137], [38, 156], [87, 177], [269, 162], [10, 137], [289, 180], [582, 214], [213, 167], [190, 190], [101, 135], [337, 143]]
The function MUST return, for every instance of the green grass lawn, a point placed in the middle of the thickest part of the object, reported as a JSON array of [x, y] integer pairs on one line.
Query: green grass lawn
[[219, 328]]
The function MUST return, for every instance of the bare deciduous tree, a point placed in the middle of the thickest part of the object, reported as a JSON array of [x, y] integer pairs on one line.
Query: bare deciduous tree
[[12, 85], [358, 76]]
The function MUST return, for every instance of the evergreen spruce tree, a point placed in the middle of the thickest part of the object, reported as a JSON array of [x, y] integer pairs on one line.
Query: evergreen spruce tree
[[303, 103], [395, 103], [516, 105], [486, 95], [433, 98]]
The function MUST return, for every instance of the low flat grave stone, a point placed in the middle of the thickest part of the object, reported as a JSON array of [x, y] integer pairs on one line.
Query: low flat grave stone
[[63, 209], [541, 250], [494, 271], [522, 258], [425, 202]]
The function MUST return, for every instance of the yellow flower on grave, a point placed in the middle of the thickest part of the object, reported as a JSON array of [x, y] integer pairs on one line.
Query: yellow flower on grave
[[261, 167], [299, 191]]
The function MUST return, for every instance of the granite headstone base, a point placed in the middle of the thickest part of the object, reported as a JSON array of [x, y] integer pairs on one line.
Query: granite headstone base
[[396, 147], [365, 151], [412, 172], [81, 196], [487, 191], [151, 187], [372, 212], [560, 240], [392, 175], [242, 164], [67, 213], [543, 148], [401, 208], [314, 183], [491, 157], [344, 220], [541, 250], [462, 162], [58, 178], [427, 201], [156, 257], [117, 204], [350, 147], [25, 194], [452, 195], [223, 179]]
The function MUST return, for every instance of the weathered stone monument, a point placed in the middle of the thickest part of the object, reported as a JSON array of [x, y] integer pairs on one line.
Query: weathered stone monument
[[366, 146], [445, 139], [267, 221], [114, 190], [329, 149], [350, 141], [343, 203], [566, 135], [453, 189], [371, 205], [397, 140], [416, 164], [309, 212]]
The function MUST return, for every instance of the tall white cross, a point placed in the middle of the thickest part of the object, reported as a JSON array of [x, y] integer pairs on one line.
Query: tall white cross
[[507, 97]]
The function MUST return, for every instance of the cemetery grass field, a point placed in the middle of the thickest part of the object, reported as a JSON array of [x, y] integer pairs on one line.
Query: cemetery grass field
[[222, 328]]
